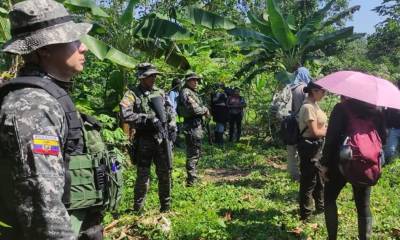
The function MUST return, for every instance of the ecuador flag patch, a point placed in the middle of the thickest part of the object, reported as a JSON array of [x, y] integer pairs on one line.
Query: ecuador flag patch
[[46, 145]]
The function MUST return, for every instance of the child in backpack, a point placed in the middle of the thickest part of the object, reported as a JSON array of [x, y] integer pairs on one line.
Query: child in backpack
[[336, 134], [312, 124]]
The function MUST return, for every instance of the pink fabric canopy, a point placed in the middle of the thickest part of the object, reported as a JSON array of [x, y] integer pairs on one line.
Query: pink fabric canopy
[[364, 87]]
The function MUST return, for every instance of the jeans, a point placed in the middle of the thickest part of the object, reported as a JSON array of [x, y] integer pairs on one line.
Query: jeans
[[219, 127], [391, 144]]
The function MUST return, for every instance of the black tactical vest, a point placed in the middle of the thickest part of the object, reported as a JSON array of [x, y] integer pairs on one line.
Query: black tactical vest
[[74, 142]]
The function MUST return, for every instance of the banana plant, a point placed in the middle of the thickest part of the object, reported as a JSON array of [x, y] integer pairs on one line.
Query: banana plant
[[274, 36], [4, 26]]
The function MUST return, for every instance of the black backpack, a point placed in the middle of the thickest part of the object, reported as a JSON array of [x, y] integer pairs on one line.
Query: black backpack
[[290, 132]]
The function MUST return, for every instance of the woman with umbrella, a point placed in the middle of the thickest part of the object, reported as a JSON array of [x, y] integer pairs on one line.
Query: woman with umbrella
[[363, 93]]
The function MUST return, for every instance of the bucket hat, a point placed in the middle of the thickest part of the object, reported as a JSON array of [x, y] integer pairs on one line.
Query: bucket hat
[[145, 69], [192, 75], [38, 23]]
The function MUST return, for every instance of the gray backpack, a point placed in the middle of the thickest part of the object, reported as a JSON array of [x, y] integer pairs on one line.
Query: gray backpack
[[281, 105]]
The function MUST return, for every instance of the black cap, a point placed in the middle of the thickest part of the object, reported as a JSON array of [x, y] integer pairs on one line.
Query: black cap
[[310, 86]]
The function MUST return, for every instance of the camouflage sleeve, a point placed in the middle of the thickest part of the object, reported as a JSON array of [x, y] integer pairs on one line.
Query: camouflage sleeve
[[128, 114], [192, 105], [34, 125]]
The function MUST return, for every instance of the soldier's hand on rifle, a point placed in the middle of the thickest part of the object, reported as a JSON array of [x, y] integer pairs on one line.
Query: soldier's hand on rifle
[[157, 123]]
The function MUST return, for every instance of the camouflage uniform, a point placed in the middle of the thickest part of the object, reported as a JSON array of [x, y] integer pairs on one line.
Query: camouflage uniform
[[192, 109], [34, 182], [33, 176], [137, 111]]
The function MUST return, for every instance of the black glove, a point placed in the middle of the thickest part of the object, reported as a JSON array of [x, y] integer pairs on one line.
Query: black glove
[[156, 123]]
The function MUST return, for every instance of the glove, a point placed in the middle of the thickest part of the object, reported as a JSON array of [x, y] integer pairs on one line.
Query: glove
[[156, 123]]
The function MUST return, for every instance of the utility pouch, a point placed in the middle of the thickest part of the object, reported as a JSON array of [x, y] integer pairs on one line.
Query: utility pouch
[[84, 183]]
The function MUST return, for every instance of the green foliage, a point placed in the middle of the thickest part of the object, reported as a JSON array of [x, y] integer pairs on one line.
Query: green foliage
[[289, 45], [2, 224], [246, 194], [208, 19], [355, 57], [86, 4]]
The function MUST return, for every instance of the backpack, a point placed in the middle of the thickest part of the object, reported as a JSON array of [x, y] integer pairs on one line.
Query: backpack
[[180, 107], [289, 131], [361, 152], [281, 104], [94, 178]]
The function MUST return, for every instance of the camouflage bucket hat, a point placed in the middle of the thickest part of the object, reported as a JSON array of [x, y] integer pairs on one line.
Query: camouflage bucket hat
[[192, 75], [38, 23], [145, 69]]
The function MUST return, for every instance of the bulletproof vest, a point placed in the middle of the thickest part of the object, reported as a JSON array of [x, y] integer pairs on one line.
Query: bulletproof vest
[[92, 174], [142, 101]]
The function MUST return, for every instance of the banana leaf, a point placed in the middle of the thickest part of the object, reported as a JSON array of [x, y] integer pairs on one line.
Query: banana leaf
[[89, 4], [280, 27], [262, 25], [127, 16], [319, 42], [207, 19], [4, 29], [102, 51], [312, 24], [270, 43], [154, 27]]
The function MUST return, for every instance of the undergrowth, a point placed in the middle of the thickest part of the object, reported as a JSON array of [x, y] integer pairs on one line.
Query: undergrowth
[[246, 194]]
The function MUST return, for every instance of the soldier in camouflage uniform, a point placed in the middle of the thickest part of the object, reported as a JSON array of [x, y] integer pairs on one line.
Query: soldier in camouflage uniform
[[136, 110], [33, 126], [192, 109]]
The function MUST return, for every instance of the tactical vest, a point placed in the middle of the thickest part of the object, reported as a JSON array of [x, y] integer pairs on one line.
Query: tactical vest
[[93, 175], [142, 101]]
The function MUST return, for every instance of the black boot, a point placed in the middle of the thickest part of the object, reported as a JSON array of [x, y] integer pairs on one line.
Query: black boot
[[165, 208], [331, 220], [365, 228]]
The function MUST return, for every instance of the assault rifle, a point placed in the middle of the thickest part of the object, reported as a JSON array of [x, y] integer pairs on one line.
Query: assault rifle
[[157, 105]]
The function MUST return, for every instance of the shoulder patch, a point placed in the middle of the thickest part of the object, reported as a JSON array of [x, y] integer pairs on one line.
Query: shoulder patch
[[128, 99], [45, 145]]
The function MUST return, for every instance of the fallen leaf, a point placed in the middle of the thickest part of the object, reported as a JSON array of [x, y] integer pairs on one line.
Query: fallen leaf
[[297, 231], [396, 232], [228, 216]]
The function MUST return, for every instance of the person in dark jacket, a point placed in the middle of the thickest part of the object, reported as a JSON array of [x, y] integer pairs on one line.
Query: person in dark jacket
[[330, 166], [236, 105], [220, 113]]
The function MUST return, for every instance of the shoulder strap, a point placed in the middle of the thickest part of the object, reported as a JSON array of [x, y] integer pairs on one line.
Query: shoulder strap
[[71, 114], [303, 131]]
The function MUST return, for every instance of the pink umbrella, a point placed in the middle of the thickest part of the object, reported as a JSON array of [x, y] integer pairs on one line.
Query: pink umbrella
[[364, 87]]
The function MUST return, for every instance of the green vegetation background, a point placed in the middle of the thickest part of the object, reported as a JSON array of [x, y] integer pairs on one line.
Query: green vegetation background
[[245, 193]]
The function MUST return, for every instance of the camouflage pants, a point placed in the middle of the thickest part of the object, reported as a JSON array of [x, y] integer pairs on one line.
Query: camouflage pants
[[148, 151], [193, 138]]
